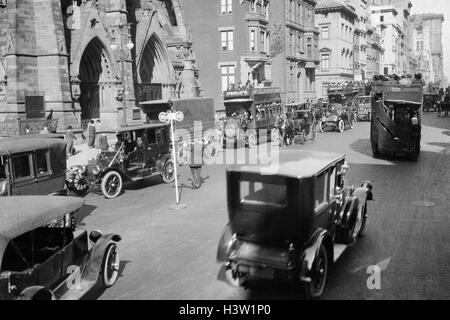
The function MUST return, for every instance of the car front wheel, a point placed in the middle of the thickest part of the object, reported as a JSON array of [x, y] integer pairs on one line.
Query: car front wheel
[[110, 269], [341, 126], [168, 172], [111, 185], [315, 289]]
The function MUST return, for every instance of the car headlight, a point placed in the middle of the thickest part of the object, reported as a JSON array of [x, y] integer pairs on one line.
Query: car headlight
[[96, 170]]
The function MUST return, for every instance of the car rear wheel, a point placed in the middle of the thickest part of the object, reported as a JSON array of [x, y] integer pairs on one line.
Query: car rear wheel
[[341, 126], [110, 268], [168, 171], [112, 185], [315, 289]]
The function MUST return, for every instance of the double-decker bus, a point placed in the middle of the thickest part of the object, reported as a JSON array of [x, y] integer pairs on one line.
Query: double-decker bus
[[249, 111], [396, 119]]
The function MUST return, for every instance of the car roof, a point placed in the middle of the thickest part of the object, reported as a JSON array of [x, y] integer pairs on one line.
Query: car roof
[[21, 214], [20, 144], [131, 128], [298, 164]]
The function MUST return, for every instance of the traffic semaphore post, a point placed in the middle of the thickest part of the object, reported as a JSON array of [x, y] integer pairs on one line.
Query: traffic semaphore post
[[169, 117]]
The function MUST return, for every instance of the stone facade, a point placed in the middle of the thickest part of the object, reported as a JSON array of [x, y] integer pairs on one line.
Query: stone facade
[[337, 22], [425, 36], [63, 50], [294, 65], [391, 19], [232, 40]]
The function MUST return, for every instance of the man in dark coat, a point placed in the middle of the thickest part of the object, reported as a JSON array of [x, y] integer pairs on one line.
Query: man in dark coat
[[70, 140], [91, 134]]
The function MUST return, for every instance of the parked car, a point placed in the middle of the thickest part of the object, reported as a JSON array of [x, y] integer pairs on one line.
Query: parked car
[[291, 223], [364, 112], [338, 117], [141, 152], [32, 165], [43, 256]]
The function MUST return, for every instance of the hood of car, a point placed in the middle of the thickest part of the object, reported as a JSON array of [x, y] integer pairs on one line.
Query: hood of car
[[333, 118]]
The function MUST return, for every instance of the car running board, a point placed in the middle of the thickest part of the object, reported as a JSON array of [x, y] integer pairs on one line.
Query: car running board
[[339, 250]]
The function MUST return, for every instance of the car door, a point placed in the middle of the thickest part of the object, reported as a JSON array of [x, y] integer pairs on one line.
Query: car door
[[23, 175], [45, 184], [324, 203], [163, 141], [152, 150]]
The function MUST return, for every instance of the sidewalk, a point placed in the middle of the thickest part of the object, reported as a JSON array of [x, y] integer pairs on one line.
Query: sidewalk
[[83, 155]]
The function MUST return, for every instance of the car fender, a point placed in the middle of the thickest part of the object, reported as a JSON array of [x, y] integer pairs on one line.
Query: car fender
[[310, 253], [107, 170], [161, 162], [224, 246], [94, 264]]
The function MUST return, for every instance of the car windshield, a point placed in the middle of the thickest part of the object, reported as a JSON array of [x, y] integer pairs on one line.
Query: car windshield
[[262, 193]]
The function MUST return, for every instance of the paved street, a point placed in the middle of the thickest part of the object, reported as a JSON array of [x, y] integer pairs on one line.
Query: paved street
[[170, 254]]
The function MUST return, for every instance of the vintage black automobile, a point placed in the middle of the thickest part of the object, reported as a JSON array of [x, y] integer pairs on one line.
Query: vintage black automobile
[[304, 124], [32, 165], [364, 112], [431, 101], [43, 256], [141, 152], [291, 222], [337, 116]]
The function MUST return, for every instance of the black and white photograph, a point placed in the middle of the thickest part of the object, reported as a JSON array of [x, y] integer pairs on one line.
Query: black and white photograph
[[224, 154]]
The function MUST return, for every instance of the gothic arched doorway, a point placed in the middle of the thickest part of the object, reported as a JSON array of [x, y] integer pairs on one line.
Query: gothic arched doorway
[[155, 71], [96, 78]]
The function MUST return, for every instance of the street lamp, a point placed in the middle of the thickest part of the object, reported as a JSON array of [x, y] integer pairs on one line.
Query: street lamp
[[123, 55]]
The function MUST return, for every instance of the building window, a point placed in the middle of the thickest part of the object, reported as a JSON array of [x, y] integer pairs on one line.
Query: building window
[[252, 39], [253, 6], [381, 18], [228, 76], [226, 6], [227, 40], [325, 61], [263, 41], [291, 44], [309, 48], [265, 9], [325, 89], [325, 33]]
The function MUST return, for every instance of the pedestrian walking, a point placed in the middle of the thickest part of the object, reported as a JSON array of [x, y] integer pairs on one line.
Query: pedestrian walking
[[70, 140], [196, 163], [91, 134]]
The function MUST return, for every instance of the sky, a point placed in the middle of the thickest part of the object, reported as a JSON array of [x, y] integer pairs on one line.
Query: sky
[[443, 7]]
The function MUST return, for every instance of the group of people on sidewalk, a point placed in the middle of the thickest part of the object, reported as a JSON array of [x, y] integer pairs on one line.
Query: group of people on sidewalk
[[89, 135]]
